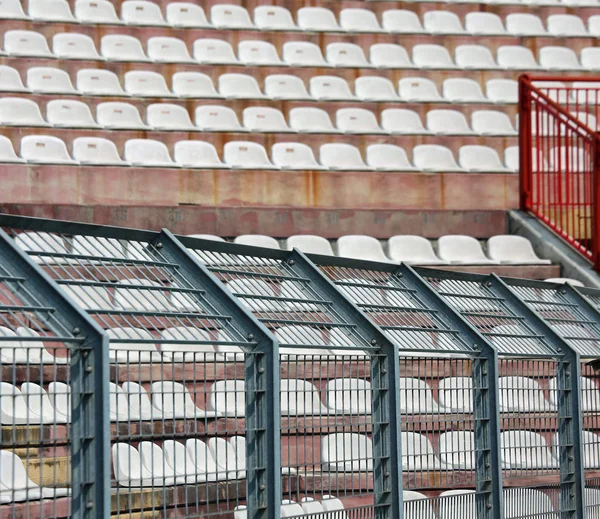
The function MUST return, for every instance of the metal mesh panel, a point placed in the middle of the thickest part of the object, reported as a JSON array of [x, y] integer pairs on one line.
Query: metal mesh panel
[[35, 353], [529, 418], [174, 356], [326, 367]]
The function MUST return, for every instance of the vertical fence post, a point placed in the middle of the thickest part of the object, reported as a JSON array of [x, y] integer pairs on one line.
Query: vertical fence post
[[387, 476], [595, 209], [90, 428], [525, 144], [261, 374], [572, 481]]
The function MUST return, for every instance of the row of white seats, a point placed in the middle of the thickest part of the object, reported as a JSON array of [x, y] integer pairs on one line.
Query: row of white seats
[[318, 19], [306, 506], [89, 151], [139, 83], [18, 111], [16, 486], [121, 47]]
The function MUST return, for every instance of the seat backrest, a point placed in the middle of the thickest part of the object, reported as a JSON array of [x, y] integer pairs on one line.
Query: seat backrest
[[401, 120], [146, 151], [72, 45], [456, 247], [515, 56], [118, 115], [213, 117], [373, 87], [141, 12], [163, 48], [431, 55], [387, 156], [416, 396], [210, 50], [10, 79], [462, 89], [442, 22], [245, 154], [121, 47], [282, 86], [309, 119], [389, 55], [361, 247], [329, 87], [510, 247], [299, 397], [228, 397], [256, 51], [565, 24], [145, 83], [490, 121], [457, 449], [401, 20], [316, 19], [484, 23], [417, 88], [52, 10], [195, 153], [7, 152], [349, 395], [239, 85], [407, 247], [44, 148], [49, 79], [356, 120], [354, 19], [524, 23], [230, 16], [302, 53], [456, 393], [558, 57], [433, 156], [475, 157], [26, 43], [263, 118], [310, 244], [502, 89], [521, 394], [130, 333], [293, 155], [257, 240], [67, 112], [185, 14], [345, 54], [447, 121], [168, 116], [193, 84], [473, 56], [346, 447], [273, 17], [20, 111], [95, 11], [340, 156], [96, 81]]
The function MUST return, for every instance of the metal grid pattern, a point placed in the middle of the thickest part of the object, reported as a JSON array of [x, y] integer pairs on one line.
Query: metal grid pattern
[[334, 419], [174, 355]]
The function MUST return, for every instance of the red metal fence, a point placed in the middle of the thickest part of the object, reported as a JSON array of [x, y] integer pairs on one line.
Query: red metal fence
[[558, 143]]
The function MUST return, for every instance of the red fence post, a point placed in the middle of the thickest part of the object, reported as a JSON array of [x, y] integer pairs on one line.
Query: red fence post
[[595, 212], [525, 143]]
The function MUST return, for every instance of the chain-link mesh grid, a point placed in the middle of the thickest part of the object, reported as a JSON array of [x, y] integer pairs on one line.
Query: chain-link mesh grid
[[326, 364], [174, 357]]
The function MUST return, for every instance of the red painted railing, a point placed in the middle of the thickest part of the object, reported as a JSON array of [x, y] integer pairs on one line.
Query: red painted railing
[[559, 145]]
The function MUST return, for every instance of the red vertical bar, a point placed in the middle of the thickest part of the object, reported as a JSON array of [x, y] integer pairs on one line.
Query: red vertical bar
[[525, 144], [595, 202]]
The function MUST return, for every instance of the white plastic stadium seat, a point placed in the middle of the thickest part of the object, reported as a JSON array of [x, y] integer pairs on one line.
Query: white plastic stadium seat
[[513, 249], [15, 481], [524, 24], [152, 298], [49, 80], [456, 394], [416, 510], [447, 122], [147, 153], [462, 90], [96, 12], [44, 149], [347, 452], [574, 282], [299, 397], [502, 90], [525, 450], [18, 111], [345, 55], [457, 449], [373, 88], [359, 20], [70, 45], [474, 57], [229, 16], [590, 394], [414, 250], [348, 396], [50, 10], [239, 86], [515, 57], [275, 18], [134, 352], [566, 25], [316, 19], [99, 82], [329, 88], [264, 119], [89, 297], [303, 54], [433, 157], [418, 453], [39, 241], [522, 394], [69, 114], [257, 240], [307, 120], [491, 122], [196, 154], [185, 14], [389, 55], [246, 155], [361, 247], [559, 58], [217, 118], [225, 456], [311, 506], [193, 84], [442, 22], [284, 86], [528, 502], [144, 83], [7, 152], [10, 80], [388, 157], [163, 116], [300, 335], [401, 21], [120, 47], [290, 509], [26, 43], [478, 158], [310, 244], [418, 89], [294, 155], [256, 52], [228, 398], [203, 460], [461, 249], [209, 50], [340, 156], [119, 115], [426, 55], [163, 49], [175, 401], [189, 349], [13, 10], [141, 12], [356, 120], [402, 121], [416, 397], [484, 23]]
